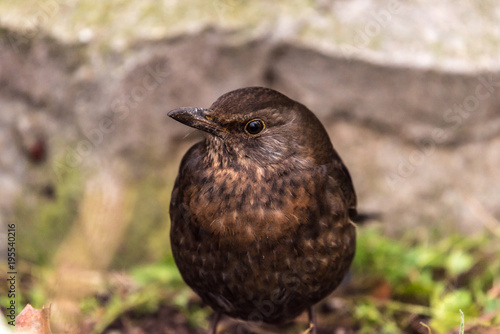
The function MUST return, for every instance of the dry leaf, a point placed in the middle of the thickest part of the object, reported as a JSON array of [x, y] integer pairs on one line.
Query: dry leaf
[[33, 321]]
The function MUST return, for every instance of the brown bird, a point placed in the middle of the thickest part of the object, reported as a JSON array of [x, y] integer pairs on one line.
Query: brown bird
[[261, 209]]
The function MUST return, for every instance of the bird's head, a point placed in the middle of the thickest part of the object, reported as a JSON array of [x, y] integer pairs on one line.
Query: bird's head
[[261, 126]]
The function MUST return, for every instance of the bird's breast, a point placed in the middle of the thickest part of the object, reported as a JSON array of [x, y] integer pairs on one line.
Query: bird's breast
[[241, 207], [248, 205]]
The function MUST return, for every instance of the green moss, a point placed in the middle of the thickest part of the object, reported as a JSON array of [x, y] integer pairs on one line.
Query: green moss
[[42, 222], [435, 278]]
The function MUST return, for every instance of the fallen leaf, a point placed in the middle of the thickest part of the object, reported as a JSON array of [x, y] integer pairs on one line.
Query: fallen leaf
[[33, 321]]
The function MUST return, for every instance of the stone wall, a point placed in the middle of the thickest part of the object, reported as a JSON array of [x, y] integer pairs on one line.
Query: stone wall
[[422, 144]]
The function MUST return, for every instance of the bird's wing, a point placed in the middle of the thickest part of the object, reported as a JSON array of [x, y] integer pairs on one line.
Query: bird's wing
[[188, 164], [338, 171]]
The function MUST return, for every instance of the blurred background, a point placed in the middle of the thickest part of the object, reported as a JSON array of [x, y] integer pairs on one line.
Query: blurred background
[[408, 90]]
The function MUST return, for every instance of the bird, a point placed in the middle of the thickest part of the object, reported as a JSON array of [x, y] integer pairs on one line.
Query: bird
[[262, 209]]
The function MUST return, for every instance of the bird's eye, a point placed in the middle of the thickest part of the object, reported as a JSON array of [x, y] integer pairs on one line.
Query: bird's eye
[[254, 127]]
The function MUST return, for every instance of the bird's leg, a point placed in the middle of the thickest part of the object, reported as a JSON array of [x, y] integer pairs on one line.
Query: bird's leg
[[312, 321], [213, 325]]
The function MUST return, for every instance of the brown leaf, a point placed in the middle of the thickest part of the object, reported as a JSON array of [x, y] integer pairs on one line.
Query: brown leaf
[[33, 321]]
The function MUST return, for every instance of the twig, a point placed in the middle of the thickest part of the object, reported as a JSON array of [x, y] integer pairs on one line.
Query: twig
[[426, 326]]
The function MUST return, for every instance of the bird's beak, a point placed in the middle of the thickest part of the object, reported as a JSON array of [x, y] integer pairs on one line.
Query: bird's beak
[[197, 118]]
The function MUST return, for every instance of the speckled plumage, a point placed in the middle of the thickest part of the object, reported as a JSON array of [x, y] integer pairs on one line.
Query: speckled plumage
[[261, 224]]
